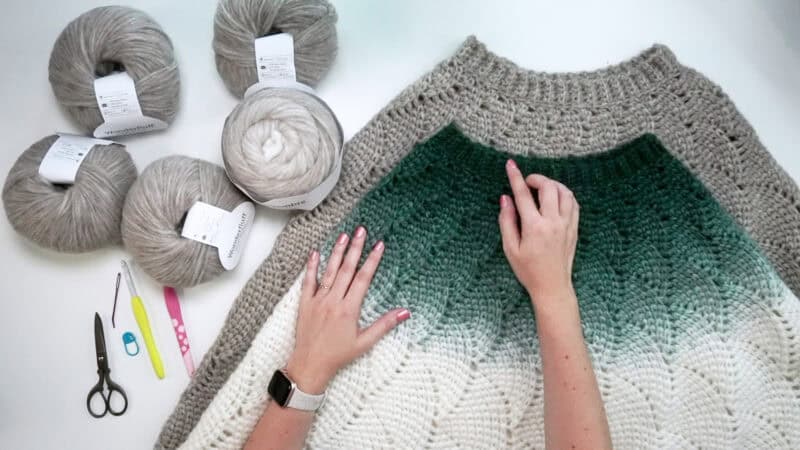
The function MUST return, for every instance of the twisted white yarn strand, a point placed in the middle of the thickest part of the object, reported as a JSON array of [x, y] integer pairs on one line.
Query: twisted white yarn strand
[[280, 142]]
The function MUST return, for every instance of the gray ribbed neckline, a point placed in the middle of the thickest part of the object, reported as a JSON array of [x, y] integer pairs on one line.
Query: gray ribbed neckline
[[474, 64]]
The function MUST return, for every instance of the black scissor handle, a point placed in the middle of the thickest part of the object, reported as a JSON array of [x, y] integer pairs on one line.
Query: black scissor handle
[[97, 389], [115, 388]]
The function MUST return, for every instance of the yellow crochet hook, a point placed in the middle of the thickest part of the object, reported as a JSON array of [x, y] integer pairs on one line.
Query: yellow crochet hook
[[144, 323]]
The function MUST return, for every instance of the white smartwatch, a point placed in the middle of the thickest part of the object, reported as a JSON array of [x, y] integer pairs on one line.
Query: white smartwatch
[[286, 393]]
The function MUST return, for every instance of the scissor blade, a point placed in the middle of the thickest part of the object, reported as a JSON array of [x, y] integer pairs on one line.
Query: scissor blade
[[99, 336]]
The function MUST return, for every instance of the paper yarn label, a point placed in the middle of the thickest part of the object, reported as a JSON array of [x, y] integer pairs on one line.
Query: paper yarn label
[[227, 231], [119, 106], [275, 58], [287, 84], [61, 162]]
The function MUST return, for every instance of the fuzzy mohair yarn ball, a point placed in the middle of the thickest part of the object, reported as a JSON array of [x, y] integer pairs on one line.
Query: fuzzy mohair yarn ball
[[73, 218], [280, 142], [108, 39], [237, 24], [154, 212]]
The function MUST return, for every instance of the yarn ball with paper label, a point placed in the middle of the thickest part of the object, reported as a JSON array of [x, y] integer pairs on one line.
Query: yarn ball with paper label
[[280, 143], [154, 212], [76, 218], [238, 23], [113, 39]]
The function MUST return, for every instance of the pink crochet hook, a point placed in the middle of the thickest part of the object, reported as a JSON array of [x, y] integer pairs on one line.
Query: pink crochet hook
[[174, 309]]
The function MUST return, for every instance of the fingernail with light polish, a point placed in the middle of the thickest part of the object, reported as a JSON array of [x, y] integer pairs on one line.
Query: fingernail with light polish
[[403, 315], [360, 231], [511, 164], [342, 238], [378, 246], [503, 201]]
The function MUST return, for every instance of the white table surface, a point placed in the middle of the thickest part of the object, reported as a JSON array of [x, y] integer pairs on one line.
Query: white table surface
[[750, 48]]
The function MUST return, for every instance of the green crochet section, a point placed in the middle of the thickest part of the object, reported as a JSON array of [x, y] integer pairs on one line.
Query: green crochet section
[[658, 260]]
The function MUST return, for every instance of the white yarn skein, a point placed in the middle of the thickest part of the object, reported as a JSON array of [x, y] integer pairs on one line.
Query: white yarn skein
[[280, 142]]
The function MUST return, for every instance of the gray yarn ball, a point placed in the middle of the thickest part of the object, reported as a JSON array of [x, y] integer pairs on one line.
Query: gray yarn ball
[[73, 218], [237, 23], [154, 212], [107, 39], [280, 143]]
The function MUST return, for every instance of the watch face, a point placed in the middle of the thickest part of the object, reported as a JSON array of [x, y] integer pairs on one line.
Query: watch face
[[280, 387]]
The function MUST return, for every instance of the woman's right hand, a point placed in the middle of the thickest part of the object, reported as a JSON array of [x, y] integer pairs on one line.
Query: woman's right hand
[[541, 248]]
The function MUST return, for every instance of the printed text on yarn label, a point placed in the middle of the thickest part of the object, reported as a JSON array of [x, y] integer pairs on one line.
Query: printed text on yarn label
[[227, 231], [275, 58], [62, 160], [119, 106]]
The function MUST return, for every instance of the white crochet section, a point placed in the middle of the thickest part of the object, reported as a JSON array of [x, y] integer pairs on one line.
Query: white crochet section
[[230, 421], [736, 389]]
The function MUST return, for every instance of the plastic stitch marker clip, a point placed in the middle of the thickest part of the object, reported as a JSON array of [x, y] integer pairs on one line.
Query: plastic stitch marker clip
[[129, 341]]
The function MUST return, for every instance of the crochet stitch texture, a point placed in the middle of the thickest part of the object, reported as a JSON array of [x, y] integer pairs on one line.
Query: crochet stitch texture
[[526, 113], [693, 336]]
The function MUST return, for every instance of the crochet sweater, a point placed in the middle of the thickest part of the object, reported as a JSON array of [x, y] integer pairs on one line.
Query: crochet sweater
[[692, 334], [522, 112]]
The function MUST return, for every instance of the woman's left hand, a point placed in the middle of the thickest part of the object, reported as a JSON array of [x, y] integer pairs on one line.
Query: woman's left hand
[[328, 336]]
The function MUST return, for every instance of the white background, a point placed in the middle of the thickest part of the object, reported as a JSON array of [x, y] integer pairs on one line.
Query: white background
[[750, 48]]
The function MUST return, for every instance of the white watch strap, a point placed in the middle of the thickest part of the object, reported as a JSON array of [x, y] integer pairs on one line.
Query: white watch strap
[[303, 401]]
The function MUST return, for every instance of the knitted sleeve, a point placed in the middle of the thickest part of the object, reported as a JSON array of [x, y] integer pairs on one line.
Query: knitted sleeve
[[724, 151]]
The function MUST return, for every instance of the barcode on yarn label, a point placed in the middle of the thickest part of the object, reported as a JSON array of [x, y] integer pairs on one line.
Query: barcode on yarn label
[[227, 231], [275, 58], [116, 96], [63, 159], [119, 105]]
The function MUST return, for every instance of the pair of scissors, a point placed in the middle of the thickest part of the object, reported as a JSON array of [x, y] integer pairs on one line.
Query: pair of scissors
[[114, 390]]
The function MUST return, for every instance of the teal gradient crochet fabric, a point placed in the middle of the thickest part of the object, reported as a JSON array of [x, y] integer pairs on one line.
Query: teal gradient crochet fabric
[[519, 111], [693, 335]]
